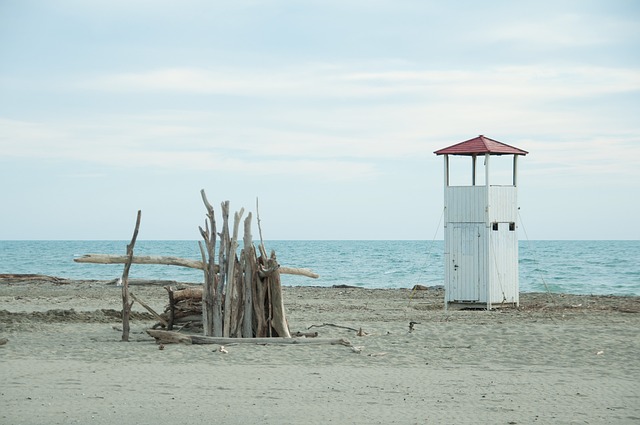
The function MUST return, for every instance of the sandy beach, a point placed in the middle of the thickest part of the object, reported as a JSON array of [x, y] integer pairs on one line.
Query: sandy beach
[[558, 359]]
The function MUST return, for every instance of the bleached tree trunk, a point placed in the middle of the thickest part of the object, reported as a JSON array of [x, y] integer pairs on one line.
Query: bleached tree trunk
[[248, 262], [172, 303], [234, 292], [166, 337], [278, 315], [259, 291], [126, 303], [237, 310], [170, 261], [223, 262], [211, 302], [141, 259]]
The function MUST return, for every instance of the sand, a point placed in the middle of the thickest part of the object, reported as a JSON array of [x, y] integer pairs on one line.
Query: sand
[[558, 359]]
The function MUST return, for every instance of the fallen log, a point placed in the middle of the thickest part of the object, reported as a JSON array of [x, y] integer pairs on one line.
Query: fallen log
[[149, 282], [139, 259], [169, 337], [335, 326], [173, 261], [195, 319], [28, 277], [299, 272], [191, 292], [305, 334]]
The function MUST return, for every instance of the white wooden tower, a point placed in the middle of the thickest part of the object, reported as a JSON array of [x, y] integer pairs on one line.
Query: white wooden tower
[[480, 241]]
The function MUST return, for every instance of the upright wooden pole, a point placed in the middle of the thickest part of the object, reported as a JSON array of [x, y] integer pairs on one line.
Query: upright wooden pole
[[515, 170], [249, 265], [446, 170], [474, 158], [278, 316], [232, 295], [126, 303], [223, 262], [263, 251], [211, 303], [259, 294]]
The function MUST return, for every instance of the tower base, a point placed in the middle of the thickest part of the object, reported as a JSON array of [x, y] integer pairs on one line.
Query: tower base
[[476, 305]]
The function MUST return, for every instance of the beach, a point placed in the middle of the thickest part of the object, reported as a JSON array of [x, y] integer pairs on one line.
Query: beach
[[558, 358]]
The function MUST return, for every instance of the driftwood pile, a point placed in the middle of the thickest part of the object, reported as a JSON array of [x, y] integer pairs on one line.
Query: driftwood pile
[[268, 318], [241, 296], [184, 309]]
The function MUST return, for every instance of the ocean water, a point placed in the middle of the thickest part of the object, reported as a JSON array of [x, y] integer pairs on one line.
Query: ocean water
[[578, 267]]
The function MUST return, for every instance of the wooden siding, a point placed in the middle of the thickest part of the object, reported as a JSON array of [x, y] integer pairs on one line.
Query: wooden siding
[[481, 264], [466, 272], [465, 204], [503, 204], [503, 266]]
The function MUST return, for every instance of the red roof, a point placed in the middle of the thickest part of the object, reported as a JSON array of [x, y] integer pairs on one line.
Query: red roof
[[481, 145]]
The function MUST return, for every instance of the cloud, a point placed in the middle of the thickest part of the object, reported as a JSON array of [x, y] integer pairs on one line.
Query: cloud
[[532, 82], [193, 81], [85, 144], [594, 160], [555, 32], [339, 120]]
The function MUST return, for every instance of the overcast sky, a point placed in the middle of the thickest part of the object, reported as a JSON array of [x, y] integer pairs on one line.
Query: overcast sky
[[327, 112]]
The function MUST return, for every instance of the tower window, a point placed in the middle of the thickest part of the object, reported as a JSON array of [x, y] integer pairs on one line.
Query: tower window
[[512, 227], [494, 226]]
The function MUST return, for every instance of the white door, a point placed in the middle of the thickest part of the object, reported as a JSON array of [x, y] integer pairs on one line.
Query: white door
[[465, 262]]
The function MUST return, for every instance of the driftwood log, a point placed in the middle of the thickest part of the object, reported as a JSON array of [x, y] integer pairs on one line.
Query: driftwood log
[[212, 310], [172, 261], [26, 277], [275, 300], [248, 260], [126, 303], [168, 337], [233, 294]]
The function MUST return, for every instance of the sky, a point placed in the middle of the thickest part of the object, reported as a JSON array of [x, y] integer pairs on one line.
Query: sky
[[320, 116]]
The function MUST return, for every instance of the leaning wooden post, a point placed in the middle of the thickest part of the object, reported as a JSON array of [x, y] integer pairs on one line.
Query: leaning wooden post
[[249, 265], [231, 247], [172, 308], [126, 304], [278, 315], [223, 265], [263, 251], [211, 307], [259, 293], [237, 294]]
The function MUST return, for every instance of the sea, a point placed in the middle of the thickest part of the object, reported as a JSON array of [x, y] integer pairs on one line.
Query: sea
[[576, 267]]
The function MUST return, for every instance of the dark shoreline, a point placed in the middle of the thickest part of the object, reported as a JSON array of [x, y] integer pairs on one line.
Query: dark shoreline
[[431, 297]]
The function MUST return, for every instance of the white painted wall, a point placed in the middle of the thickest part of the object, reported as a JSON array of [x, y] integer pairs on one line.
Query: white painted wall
[[481, 264]]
